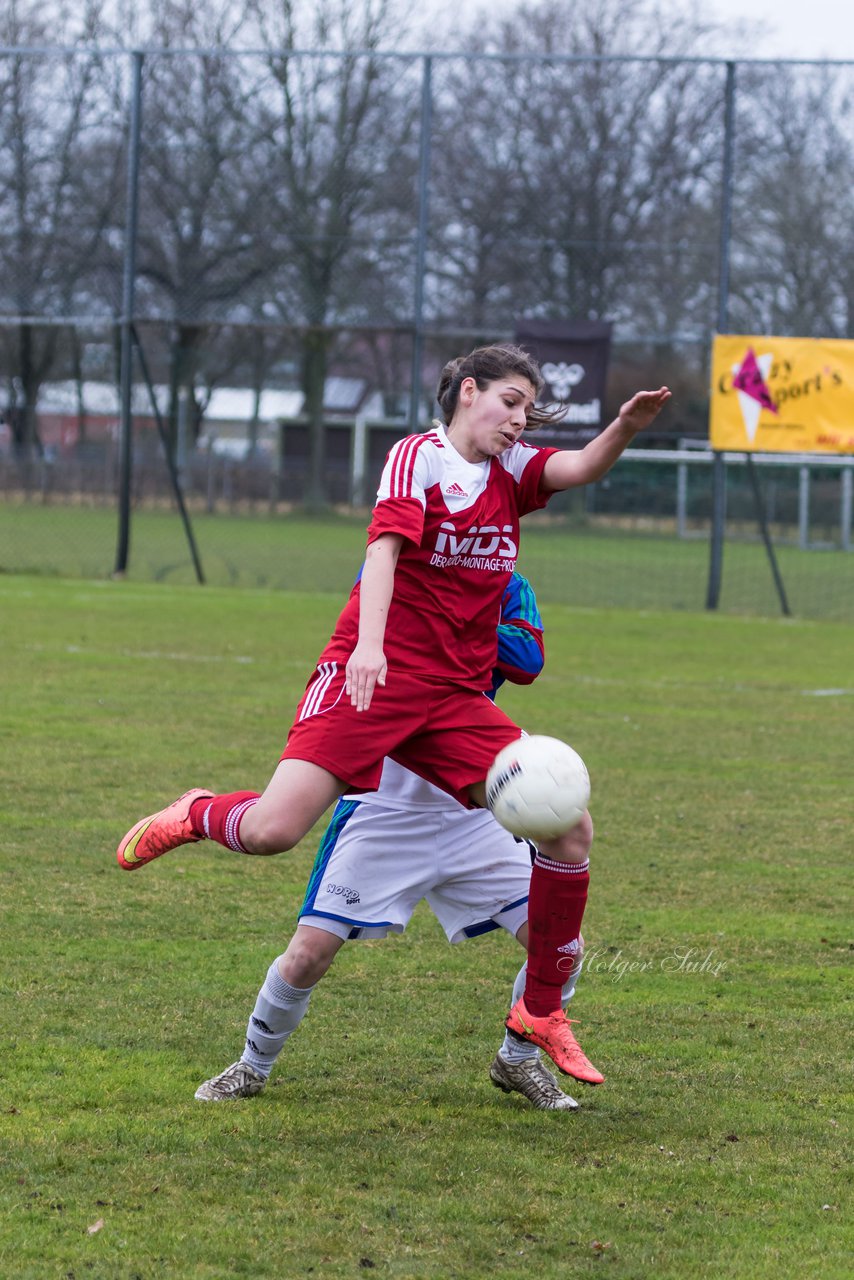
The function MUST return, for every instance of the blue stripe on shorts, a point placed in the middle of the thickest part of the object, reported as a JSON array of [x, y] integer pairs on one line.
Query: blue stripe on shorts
[[484, 926], [341, 815]]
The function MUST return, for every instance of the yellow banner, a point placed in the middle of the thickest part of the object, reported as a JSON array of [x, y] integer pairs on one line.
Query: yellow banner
[[782, 395]]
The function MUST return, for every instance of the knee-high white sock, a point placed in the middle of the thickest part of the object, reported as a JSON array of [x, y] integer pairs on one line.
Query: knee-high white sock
[[514, 1049], [279, 1010]]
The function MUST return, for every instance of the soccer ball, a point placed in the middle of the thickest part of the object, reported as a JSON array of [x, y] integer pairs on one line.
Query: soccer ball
[[538, 787]]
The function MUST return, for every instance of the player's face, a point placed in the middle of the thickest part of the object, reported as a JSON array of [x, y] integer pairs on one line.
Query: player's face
[[495, 417]]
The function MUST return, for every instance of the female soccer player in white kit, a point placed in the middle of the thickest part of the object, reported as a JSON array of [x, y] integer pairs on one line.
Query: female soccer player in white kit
[[382, 853], [406, 668]]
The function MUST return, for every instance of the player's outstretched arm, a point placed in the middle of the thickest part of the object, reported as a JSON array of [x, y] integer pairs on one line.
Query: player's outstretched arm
[[571, 468], [366, 667]]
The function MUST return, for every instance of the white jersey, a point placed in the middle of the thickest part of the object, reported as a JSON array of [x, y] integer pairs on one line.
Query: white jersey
[[402, 790]]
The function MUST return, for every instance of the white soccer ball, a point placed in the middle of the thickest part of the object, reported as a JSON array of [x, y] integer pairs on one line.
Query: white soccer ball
[[538, 787]]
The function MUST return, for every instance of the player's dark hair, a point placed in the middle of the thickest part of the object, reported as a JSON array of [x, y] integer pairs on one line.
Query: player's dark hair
[[489, 364]]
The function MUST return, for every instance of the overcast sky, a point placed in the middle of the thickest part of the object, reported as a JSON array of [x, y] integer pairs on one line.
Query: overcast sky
[[792, 28], [785, 28]]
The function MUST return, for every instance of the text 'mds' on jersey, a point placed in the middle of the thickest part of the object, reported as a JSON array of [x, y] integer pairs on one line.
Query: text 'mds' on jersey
[[460, 524]]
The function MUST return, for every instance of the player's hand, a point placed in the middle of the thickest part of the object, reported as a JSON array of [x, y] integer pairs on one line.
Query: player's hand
[[365, 670], [643, 408]]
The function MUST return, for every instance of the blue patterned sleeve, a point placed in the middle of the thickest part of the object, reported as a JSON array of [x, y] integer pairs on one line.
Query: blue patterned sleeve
[[521, 653]]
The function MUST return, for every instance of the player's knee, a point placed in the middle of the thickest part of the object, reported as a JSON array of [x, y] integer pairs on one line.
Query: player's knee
[[267, 834], [573, 845], [581, 836], [298, 966], [309, 954]]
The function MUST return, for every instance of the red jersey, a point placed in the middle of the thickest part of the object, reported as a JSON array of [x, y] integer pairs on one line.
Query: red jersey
[[460, 523]]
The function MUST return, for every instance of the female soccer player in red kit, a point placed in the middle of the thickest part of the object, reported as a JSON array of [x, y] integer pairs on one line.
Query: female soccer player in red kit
[[413, 650]]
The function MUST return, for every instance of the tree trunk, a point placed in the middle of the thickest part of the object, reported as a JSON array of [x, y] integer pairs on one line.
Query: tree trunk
[[182, 390], [315, 352], [27, 433], [77, 360]]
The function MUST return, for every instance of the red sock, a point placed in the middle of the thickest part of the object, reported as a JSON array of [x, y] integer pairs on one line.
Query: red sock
[[219, 819], [556, 903]]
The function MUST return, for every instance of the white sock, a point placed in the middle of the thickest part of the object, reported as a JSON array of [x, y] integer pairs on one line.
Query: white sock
[[514, 1049], [279, 1010]]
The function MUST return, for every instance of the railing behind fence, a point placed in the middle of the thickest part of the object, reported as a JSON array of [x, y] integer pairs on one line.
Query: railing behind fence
[[641, 537]]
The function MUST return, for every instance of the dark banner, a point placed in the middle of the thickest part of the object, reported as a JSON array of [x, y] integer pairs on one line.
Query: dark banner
[[573, 356]]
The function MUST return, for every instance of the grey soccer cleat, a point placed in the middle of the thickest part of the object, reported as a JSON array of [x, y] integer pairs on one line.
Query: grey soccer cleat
[[237, 1081], [534, 1081]]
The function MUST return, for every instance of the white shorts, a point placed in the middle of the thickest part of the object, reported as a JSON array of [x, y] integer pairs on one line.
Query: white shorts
[[375, 864]]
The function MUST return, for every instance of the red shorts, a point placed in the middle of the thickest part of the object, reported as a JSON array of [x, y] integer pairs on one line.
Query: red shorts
[[444, 733]]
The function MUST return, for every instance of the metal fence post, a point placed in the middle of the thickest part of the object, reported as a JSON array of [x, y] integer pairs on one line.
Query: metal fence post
[[358, 461], [804, 508], [845, 509], [127, 319], [681, 500], [716, 540], [421, 242]]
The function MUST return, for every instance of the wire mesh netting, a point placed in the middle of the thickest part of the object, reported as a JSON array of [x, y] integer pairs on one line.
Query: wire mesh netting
[[328, 228]]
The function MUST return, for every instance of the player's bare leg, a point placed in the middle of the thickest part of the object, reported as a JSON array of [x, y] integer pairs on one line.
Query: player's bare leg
[[308, 956], [297, 795], [280, 1007]]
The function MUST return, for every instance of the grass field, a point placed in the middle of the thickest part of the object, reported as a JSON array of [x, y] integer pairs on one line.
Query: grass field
[[717, 998], [593, 566]]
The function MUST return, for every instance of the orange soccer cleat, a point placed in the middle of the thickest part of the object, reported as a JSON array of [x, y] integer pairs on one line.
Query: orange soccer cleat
[[160, 832], [553, 1033]]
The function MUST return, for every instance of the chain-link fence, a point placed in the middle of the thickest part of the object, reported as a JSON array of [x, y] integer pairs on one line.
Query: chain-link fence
[[179, 225]]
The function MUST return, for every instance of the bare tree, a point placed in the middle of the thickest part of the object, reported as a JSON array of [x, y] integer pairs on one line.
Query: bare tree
[[278, 190], [52, 216], [204, 210], [793, 236], [341, 125], [564, 185]]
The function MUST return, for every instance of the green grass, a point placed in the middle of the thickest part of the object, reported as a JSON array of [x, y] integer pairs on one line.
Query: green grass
[[718, 998], [586, 566]]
